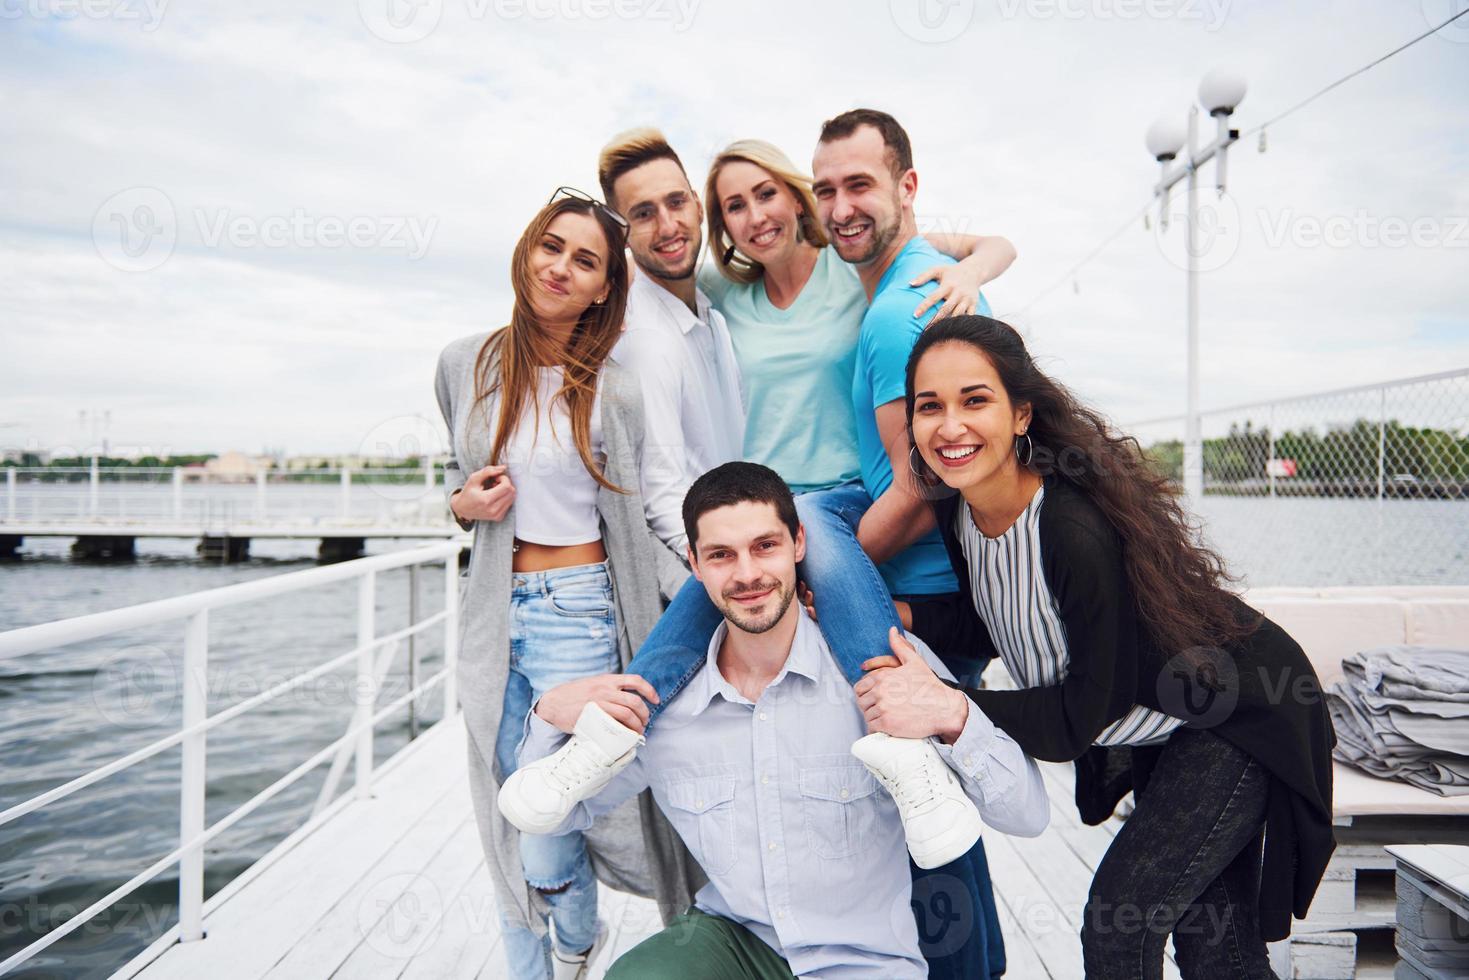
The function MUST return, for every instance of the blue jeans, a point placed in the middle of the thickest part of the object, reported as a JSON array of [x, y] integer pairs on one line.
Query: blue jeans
[[852, 602], [562, 627], [954, 905]]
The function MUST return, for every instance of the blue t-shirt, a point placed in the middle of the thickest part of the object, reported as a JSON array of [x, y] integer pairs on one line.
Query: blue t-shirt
[[796, 369], [889, 331]]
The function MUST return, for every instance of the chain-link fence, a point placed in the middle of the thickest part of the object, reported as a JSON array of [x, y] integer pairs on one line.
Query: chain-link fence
[[1359, 486]]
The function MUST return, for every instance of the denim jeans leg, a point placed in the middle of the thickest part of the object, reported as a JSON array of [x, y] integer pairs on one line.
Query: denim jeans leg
[[1202, 805], [563, 627], [559, 867], [679, 644], [516, 707], [852, 601], [527, 955]]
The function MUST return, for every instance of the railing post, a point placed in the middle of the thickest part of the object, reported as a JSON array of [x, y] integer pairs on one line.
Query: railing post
[[260, 496], [1270, 454], [178, 493], [412, 650], [10, 493], [1381, 444], [366, 689], [193, 780], [451, 634], [346, 493], [94, 488]]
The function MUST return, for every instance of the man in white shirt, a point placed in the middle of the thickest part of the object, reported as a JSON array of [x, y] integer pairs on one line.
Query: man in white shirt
[[677, 345]]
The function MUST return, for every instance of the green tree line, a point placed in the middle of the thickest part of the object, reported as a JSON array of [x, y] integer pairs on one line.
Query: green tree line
[[1344, 453]]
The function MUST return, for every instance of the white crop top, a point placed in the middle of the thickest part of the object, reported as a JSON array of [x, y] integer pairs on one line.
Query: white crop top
[[555, 496]]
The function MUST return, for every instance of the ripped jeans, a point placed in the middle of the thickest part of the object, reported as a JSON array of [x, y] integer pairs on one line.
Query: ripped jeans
[[562, 627]]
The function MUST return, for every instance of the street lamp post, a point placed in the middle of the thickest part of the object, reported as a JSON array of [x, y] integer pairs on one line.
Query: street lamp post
[[1219, 93]]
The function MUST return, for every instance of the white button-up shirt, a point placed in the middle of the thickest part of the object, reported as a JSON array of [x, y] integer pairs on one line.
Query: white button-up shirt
[[695, 415], [801, 844]]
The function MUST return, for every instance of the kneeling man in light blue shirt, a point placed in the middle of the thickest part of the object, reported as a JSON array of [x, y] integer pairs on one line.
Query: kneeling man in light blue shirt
[[753, 765]]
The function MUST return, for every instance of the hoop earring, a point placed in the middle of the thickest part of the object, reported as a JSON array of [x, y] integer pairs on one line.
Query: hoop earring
[[1029, 449], [914, 465]]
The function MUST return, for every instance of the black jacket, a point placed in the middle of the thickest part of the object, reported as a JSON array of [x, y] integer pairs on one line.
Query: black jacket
[[1261, 694]]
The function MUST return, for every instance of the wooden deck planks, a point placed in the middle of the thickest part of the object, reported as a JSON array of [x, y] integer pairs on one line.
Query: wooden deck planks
[[397, 887], [263, 923]]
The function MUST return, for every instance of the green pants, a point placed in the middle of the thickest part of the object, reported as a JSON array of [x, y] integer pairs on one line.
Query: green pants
[[699, 945]]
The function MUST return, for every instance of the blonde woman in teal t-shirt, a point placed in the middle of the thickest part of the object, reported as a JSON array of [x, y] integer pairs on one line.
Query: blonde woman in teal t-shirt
[[794, 311]]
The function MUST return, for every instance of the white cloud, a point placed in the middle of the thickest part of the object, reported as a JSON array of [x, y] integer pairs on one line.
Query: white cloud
[[1029, 123]]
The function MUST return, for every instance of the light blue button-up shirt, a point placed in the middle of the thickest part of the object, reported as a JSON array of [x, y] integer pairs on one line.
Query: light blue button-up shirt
[[801, 844]]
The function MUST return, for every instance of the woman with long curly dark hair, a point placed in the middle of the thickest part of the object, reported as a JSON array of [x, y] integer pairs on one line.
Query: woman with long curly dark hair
[[1079, 569]]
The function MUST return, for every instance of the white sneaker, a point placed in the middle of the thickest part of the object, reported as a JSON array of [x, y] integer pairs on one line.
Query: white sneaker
[[939, 821], [538, 797], [573, 966]]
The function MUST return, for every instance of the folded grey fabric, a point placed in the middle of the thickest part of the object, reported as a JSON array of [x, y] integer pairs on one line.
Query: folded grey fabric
[[1402, 712], [1434, 671]]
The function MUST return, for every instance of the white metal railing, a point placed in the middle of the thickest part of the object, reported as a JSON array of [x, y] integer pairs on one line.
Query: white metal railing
[[192, 496], [193, 610], [1366, 485]]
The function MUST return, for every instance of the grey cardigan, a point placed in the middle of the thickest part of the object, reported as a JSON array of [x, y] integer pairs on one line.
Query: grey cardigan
[[632, 849]]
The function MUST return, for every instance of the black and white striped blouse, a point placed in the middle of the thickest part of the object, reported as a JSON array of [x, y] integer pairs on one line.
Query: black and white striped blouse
[[1011, 596]]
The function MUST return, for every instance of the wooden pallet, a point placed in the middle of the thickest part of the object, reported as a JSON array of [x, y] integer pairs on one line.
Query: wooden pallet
[[1349, 933]]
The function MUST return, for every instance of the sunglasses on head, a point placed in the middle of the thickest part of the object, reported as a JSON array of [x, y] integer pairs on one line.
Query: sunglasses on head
[[572, 194]]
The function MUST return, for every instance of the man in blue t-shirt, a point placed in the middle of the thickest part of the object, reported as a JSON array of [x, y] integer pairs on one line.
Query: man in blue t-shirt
[[864, 186]]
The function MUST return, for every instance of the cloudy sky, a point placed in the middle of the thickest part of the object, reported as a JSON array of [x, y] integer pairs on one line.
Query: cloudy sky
[[251, 226]]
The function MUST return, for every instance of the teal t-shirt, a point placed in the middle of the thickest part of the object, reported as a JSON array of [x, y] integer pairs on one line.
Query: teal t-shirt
[[796, 368], [889, 331]]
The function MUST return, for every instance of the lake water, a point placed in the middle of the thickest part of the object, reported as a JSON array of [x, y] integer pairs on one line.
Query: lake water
[[66, 711]]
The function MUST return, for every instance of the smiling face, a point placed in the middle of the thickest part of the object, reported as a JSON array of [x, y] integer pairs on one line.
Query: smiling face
[[568, 268], [858, 199], [747, 559], [760, 212], [964, 423], [663, 216]]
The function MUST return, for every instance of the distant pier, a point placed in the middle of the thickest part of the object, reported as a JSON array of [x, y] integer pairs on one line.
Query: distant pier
[[116, 541]]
